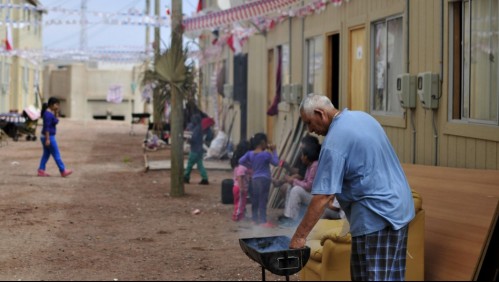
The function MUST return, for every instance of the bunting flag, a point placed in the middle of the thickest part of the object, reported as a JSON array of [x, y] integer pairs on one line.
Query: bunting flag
[[200, 6], [239, 13], [8, 39], [234, 44], [257, 10]]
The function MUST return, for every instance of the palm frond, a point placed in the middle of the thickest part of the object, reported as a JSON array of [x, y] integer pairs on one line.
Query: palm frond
[[170, 70]]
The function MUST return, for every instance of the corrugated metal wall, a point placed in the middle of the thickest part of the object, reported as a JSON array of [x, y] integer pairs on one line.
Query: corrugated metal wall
[[434, 140]]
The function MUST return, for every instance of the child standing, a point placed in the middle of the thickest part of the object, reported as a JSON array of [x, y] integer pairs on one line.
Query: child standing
[[241, 181], [50, 112], [259, 160]]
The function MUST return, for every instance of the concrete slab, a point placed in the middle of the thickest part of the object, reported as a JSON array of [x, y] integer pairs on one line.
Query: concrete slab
[[208, 164]]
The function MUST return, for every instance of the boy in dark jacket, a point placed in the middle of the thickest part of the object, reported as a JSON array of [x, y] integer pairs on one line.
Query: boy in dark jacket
[[196, 153]]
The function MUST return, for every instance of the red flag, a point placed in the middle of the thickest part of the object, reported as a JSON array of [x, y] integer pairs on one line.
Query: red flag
[[234, 44], [8, 40], [200, 6]]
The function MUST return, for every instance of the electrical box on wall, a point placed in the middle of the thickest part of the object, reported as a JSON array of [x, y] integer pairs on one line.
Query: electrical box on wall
[[228, 91], [406, 90], [285, 93], [296, 93], [428, 89]]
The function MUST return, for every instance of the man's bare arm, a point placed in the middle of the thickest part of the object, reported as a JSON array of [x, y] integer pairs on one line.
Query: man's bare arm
[[314, 212]]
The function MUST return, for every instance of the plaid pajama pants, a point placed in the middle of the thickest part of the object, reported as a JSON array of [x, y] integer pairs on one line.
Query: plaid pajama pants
[[379, 256]]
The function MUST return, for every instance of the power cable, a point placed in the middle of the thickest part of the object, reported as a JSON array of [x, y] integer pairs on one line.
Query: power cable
[[91, 26], [107, 27]]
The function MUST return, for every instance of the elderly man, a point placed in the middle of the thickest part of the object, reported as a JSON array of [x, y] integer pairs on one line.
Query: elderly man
[[359, 168]]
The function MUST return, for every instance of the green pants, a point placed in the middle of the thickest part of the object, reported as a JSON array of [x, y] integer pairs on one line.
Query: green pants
[[195, 158]]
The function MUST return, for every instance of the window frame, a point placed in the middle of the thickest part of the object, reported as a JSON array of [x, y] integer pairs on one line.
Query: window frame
[[372, 68], [458, 99], [306, 67]]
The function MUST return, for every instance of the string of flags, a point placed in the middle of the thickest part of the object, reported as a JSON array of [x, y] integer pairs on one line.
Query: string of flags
[[256, 9], [131, 17], [228, 28], [116, 55]]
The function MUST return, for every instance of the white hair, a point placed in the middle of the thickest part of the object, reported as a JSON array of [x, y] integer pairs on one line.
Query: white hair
[[313, 101]]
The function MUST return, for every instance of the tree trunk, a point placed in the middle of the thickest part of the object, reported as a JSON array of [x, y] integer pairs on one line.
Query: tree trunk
[[177, 114], [156, 96]]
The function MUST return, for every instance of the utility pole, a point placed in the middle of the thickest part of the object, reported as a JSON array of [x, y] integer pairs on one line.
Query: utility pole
[[83, 26], [157, 33], [177, 113], [148, 46], [148, 40], [157, 116]]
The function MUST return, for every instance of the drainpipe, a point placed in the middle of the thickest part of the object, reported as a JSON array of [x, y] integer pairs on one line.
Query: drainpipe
[[435, 130], [290, 37], [412, 117], [304, 87]]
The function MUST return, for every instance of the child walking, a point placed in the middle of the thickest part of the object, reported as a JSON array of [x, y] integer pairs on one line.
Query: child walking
[[196, 153], [50, 112], [260, 160], [242, 176]]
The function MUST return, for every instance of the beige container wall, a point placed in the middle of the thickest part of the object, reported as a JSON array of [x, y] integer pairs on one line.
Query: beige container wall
[[98, 84], [83, 91], [22, 91], [58, 85], [257, 85], [4, 93], [5, 96], [449, 144]]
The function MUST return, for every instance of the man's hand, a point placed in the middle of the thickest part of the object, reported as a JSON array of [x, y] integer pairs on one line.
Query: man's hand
[[47, 142], [314, 211], [297, 243]]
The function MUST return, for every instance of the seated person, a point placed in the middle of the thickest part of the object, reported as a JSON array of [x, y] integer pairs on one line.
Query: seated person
[[299, 195], [298, 169]]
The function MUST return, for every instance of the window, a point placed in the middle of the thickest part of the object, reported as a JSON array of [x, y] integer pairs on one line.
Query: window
[[387, 63], [314, 64], [473, 59]]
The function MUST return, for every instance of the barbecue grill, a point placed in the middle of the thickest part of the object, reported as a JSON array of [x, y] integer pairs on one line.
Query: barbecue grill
[[273, 253]]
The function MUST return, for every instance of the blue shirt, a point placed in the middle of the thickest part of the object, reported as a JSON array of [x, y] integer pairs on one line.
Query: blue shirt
[[260, 162], [49, 123], [357, 163]]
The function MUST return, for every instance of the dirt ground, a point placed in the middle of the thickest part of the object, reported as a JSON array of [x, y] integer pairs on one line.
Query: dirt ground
[[111, 220]]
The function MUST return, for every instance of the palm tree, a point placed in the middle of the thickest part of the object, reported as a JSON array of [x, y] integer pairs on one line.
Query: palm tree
[[163, 77]]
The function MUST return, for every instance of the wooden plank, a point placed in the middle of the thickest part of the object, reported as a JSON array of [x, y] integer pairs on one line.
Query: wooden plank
[[280, 172], [460, 206], [166, 164]]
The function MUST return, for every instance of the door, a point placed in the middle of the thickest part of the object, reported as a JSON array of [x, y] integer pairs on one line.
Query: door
[[240, 89], [357, 66], [333, 69]]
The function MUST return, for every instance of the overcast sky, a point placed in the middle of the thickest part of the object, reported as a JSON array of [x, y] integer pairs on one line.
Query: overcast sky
[[103, 35]]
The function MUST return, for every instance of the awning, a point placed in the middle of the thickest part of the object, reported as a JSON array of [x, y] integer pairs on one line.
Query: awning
[[240, 13]]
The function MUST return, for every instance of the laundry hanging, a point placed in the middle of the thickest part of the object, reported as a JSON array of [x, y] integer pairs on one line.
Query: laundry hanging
[[273, 110], [115, 94]]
